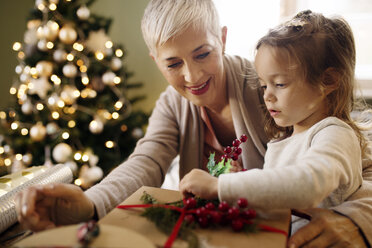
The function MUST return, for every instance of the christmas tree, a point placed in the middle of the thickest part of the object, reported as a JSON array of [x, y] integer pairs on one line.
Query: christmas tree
[[70, 95]]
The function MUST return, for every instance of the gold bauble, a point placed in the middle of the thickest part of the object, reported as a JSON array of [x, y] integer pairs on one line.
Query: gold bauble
[[35, 23], [68, 94], [44, 68], [67, 34], [38, 132], [51, 30]]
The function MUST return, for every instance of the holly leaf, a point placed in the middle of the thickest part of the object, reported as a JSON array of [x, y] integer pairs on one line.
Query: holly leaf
[[221, 167], [211, 163]]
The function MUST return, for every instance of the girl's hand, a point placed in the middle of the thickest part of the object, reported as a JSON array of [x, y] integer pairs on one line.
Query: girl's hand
[[235, 167], [199, 183]]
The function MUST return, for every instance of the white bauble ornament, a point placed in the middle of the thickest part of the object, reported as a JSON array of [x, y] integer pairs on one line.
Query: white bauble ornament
[[33, 24], [96, 126], [19, 69], [27, 158], [7, 149], [83, 13], [53, 100], [27, 108], [39, 3], [30, 37], [116, 64], [38, 132], [59, 55], [93, 174], [24, 77], [42, 45], [72, 165], [137, 133], [44, 68], [52, 128], [69, 70], [108, 77], [62, 152], [67, 34], [68, 94]]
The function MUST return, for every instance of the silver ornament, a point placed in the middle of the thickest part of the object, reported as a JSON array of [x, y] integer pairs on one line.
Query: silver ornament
[[30, 37], [137, 133], [27, 108], [62, 152], [96, 126], [52, 128], [59, 55], [27, 158], [108, 77], [19, 69], [42, 45], [116, 64], [69, 70], [72, 165], [83, 13], [93, 174]]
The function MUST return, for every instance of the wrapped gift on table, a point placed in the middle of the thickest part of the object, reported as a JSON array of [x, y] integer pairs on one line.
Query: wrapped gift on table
[[11, 184], [209, 237]]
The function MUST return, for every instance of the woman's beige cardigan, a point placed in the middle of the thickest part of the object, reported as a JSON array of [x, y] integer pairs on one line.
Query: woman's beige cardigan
[[175, 127]]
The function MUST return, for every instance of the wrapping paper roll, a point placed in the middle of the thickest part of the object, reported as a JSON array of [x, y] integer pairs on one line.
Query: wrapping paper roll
[[57, 174]]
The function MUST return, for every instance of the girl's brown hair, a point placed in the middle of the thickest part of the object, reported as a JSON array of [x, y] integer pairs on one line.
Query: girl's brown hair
[[324, 51]]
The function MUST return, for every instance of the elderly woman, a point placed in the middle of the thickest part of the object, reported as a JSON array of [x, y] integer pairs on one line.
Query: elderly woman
[[208, 104]]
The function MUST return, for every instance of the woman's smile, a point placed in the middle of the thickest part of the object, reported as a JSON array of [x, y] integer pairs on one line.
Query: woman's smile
[[200, 89]]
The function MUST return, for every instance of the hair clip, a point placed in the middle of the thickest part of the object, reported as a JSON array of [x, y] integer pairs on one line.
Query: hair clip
[[297, 28], [304, 14]]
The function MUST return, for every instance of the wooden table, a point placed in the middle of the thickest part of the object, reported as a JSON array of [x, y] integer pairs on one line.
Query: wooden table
[[124, 228], [216, 238]]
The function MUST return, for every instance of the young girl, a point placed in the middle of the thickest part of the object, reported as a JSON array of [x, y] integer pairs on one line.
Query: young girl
[[306, 71]]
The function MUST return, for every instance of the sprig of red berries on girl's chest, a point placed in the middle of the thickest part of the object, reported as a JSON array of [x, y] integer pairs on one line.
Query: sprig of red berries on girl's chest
[[231, 153]]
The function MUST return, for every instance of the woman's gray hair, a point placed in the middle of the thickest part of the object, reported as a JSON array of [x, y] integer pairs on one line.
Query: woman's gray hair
[[164, 19]]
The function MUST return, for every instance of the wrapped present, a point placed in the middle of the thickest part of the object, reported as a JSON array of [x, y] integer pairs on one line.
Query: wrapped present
[[207, 237], [11, 184]]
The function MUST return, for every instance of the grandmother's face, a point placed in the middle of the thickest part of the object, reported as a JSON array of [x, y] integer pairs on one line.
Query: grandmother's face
[[192, 62]]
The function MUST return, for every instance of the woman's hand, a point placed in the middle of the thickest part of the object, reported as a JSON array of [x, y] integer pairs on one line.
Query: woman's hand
[[199, 183], [327, 229], [46, 206]]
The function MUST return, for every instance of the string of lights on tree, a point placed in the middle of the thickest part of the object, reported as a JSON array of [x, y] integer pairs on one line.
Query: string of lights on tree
[[70, 95]]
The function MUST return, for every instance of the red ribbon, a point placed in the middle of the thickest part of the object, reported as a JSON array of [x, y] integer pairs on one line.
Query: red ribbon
[[185, 211]]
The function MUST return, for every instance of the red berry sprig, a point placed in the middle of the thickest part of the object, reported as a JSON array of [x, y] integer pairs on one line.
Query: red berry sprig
[[234, 151], [219, 214]]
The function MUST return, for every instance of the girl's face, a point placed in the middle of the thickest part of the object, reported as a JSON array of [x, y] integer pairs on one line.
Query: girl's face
[[192, 62], [290, 100]]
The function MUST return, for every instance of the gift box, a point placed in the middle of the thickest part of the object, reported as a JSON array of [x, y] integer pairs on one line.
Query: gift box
[[11, 184], [208, 237]]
